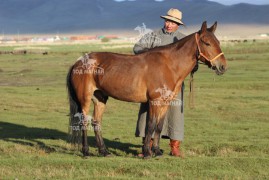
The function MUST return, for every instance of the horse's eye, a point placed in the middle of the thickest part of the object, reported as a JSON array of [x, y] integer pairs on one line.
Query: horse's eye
[[206, 43]]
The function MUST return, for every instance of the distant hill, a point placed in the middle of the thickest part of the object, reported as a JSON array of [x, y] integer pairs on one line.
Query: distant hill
[[50, 16]]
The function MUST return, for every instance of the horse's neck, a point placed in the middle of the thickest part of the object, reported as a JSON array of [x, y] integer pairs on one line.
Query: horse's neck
[[183, 58], [185, 54]]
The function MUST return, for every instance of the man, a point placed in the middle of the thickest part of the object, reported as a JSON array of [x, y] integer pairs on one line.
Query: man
[[173, 127]]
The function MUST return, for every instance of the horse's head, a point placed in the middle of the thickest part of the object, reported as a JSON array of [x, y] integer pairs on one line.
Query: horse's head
[[209, 50]]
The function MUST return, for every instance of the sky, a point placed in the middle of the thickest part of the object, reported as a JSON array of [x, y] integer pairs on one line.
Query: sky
[[230, 2]]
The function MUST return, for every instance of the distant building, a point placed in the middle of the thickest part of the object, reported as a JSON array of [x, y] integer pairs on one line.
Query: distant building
[[264, 35], [77, 38], [108, 36]]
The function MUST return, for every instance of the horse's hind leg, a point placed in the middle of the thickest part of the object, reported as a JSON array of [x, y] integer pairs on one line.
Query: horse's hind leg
[[85, 106], [99, 101], [84, 96]]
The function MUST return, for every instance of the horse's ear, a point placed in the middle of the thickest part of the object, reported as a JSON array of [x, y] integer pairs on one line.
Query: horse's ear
[[213, 27], [204, 27]]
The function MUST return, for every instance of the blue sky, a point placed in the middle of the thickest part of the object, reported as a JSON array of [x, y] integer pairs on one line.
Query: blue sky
[[230, 2]]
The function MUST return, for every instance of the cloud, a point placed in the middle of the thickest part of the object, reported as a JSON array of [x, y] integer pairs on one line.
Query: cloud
[[230, 2]]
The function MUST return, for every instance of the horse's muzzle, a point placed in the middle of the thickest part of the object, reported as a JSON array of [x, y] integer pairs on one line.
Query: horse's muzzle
[[219, 70]]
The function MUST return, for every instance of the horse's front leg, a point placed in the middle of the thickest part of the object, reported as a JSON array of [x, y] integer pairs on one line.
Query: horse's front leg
[[149, 131], [156, 117], [162, 109], [156, 141]]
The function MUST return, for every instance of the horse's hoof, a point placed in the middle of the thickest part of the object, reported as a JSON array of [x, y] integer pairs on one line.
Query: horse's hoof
[[86, 155], [147, 157], [105, 153], [108, 155], [85, 151], [157, 151], [158, 155]]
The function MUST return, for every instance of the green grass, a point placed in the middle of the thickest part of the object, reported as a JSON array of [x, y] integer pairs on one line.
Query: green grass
[[226, 135]]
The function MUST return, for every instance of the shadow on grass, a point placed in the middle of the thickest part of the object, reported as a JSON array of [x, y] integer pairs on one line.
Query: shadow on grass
[[32, 136]]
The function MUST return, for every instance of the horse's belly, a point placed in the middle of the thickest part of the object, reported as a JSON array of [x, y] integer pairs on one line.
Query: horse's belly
[[126, 94], [131, 99], [125, 89]]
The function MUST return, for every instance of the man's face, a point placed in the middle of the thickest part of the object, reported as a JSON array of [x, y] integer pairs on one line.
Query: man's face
[[170, 26]]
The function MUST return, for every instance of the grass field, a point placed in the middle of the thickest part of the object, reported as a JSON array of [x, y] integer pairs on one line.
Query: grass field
[[226, 135]]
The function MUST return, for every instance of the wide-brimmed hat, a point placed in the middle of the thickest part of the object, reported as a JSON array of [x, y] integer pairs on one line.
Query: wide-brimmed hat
[[174, 15]]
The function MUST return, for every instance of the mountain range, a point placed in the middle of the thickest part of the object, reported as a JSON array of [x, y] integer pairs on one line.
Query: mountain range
[[67, 16]]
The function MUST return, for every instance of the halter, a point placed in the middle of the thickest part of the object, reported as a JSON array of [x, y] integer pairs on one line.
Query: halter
[[203, 55]]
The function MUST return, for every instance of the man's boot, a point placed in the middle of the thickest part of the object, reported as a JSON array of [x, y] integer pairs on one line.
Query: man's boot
[[175, 148]]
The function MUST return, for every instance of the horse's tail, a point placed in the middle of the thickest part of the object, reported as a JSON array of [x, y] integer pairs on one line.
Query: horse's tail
[[74, 129]]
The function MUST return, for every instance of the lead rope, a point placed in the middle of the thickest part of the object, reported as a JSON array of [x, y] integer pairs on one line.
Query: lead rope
[[191, 93]]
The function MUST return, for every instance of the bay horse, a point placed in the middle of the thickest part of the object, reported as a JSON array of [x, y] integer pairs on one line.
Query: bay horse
[[136, 78]]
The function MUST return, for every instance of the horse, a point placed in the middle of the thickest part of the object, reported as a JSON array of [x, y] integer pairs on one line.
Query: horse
[[137, 78]]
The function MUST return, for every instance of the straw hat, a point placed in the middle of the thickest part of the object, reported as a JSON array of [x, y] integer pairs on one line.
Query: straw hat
[[174, 15]]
